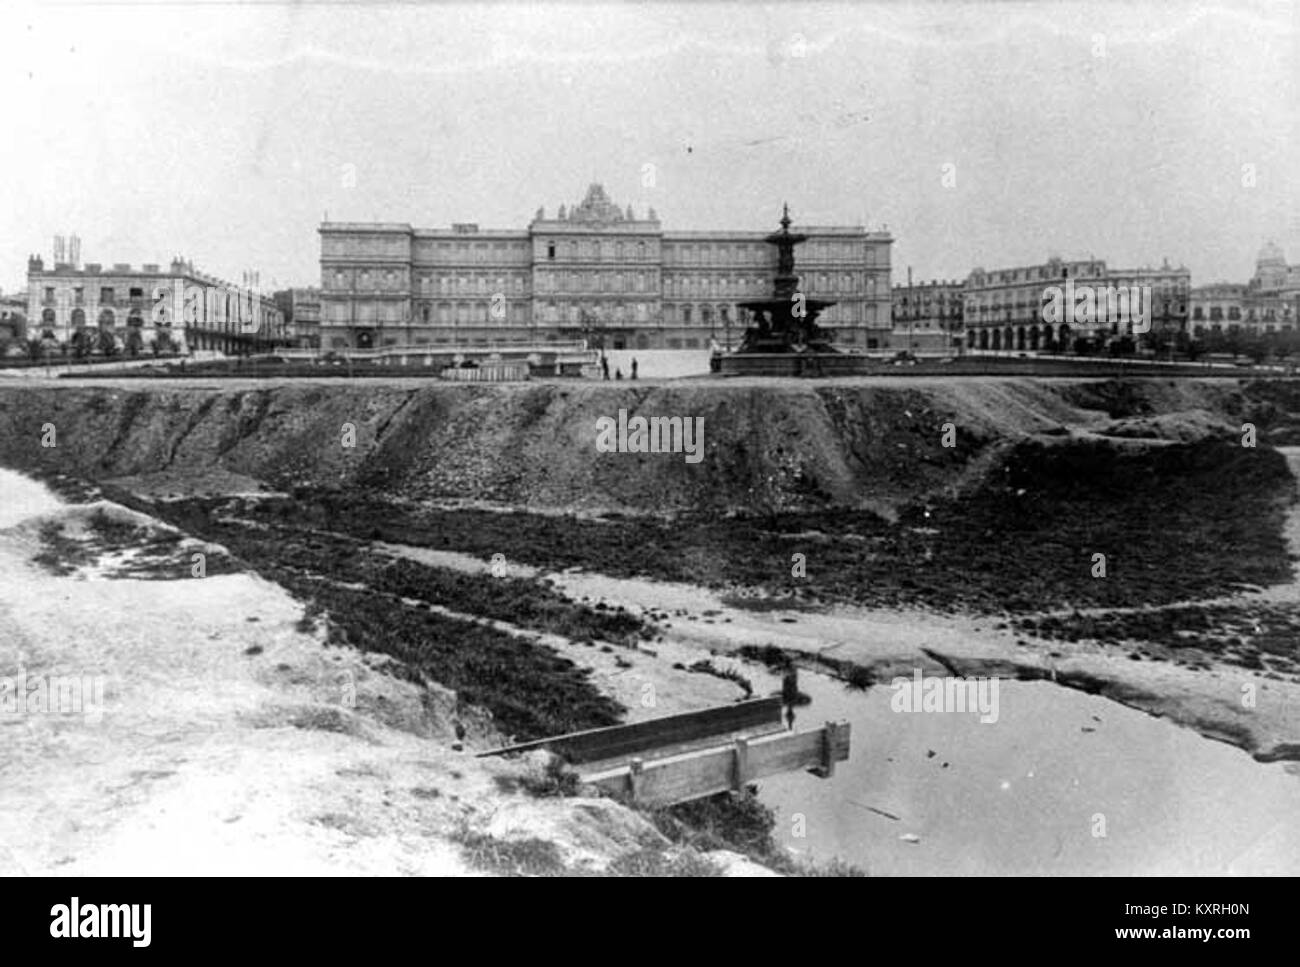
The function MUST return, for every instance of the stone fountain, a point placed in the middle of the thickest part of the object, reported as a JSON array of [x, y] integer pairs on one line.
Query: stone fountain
[[784, 338]]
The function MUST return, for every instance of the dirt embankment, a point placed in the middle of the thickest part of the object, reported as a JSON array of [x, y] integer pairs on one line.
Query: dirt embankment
[[854, 475], [789, 446]]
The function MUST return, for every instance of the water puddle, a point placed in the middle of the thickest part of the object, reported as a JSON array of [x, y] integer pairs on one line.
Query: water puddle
[[1031, 793]]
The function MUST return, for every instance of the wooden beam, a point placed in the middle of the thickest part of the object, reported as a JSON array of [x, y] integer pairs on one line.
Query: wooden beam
[[694, 775], [618, 741]]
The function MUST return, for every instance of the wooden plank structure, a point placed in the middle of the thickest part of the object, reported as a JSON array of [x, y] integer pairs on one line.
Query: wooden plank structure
[[696, 754], [706, 772], [669, 732]]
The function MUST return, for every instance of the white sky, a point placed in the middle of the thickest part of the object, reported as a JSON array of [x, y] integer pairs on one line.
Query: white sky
[[221, 130]]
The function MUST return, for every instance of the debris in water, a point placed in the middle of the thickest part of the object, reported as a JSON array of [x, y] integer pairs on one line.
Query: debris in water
[[873, 809], [910, 838]]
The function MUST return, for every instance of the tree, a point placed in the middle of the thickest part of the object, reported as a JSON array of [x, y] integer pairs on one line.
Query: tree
[[107, 342], [134, 341], [82, 344], [34, 348]]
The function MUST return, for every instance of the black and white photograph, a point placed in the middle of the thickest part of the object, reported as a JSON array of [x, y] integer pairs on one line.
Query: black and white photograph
[[694, 440]]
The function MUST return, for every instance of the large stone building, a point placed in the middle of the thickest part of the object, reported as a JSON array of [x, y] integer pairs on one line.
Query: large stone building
[[1004, 308], [928, 316], [301, 310], [131, 309], [593, 270], [1269, 302]]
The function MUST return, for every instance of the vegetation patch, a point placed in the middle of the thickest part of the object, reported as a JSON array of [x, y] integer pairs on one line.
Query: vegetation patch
[[1260, 637], [739, 823], [1175, 521], [511, 857]]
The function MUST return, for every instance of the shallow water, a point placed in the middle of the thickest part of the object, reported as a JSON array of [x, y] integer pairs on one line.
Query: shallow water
[[1029, 793]]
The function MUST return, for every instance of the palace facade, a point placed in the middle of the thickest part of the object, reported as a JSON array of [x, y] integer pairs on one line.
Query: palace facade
[[593, 271]]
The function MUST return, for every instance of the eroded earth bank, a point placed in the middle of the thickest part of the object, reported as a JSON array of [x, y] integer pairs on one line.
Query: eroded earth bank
[[398, 575]]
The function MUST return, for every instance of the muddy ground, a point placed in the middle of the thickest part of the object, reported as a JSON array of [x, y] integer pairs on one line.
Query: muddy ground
[[828, 523]]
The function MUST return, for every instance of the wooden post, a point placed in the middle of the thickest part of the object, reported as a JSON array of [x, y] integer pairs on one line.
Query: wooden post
[[742, 764], [634, 779], [835, 740]]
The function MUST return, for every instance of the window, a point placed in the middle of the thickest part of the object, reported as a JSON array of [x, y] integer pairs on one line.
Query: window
[[49, 293], [137, 293], [105, 295]]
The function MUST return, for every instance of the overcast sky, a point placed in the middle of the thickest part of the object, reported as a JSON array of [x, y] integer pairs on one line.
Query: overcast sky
[[225, 131]]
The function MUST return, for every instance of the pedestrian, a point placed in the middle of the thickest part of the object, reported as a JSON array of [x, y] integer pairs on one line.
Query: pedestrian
[[790, 693], [618, 374], [634, 367], [604, 366]]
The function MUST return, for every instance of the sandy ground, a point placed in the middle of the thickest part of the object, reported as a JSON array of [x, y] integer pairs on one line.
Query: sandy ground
[[230, 742]]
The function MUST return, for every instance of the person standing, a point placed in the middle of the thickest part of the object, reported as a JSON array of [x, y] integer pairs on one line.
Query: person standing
[[604, 365], [634, 367], [790, 693]]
